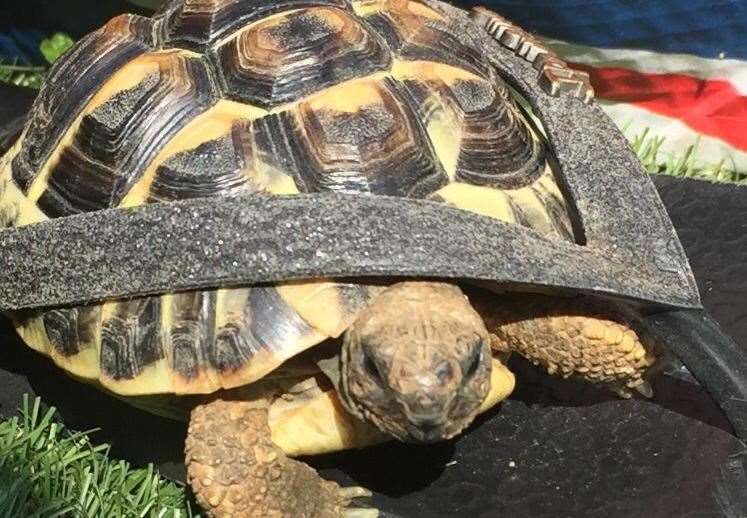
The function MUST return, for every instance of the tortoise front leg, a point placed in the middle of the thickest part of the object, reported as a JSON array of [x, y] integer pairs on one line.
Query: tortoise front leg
[[571, 337], [235, 470]]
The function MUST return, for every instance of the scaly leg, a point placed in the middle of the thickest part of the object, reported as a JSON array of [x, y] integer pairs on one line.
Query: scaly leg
[[236, 471], [570, 337]]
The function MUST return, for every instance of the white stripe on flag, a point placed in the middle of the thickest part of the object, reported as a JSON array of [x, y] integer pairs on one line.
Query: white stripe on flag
[[677, 136], [732, 70]]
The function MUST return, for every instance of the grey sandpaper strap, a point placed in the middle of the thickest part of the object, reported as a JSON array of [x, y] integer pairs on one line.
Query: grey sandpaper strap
[[253, 239]]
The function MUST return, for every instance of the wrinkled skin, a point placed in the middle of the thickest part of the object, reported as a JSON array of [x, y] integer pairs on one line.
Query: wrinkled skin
[[416, 363]]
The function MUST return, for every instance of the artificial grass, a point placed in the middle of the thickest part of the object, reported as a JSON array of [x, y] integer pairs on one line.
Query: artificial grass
[[686, 165], [33, 76], [48, 471], [22, 75]]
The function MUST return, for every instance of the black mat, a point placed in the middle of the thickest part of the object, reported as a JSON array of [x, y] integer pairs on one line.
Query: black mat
[[14, 103], [556, 448]]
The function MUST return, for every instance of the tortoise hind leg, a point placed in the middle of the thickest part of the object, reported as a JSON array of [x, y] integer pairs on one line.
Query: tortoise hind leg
[[236, 470], [571, 337]]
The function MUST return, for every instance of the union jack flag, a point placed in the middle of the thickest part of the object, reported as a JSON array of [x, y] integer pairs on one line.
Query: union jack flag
[[678, 68]]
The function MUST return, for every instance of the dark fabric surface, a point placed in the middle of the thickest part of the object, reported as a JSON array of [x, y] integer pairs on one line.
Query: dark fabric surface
[[14, 104], [23, 24], [711, 220], [701, 27]]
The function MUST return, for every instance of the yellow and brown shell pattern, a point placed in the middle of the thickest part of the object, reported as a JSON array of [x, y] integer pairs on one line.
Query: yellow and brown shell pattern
[[227, 97]]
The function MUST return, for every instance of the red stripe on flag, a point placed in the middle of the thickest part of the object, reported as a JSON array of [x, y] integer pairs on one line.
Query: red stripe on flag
[[710, 106]]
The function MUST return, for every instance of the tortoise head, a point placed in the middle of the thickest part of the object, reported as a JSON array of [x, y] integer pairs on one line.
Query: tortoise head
[[416, 363]]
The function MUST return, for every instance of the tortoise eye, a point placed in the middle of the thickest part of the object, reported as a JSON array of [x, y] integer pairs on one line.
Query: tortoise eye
[[475, 360], [371, 368]]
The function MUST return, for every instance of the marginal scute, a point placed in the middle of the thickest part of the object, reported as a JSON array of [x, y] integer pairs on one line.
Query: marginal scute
[[275, 325], [329, 306], [116, 141], [130, 337], [185, 343], [72, 81], [197, 24], [291, 54], [231, 350], [70, 329], [189, 324], [364, 137]]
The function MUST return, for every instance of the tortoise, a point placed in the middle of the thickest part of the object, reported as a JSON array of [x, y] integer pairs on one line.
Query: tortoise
[[231, 99]]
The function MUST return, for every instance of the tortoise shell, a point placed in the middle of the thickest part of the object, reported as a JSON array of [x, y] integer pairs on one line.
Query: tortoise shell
[[227, 97]]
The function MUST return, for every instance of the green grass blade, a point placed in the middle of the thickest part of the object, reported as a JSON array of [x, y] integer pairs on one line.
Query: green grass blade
[[47, 470]]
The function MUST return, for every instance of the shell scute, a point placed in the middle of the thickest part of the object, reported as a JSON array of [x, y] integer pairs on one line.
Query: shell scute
[[69, 329], [188, 324], [73, 80], [363, 137], [291, 54], [130, 337], [478, 131], [215, 167], [198, 24], [115, 140]]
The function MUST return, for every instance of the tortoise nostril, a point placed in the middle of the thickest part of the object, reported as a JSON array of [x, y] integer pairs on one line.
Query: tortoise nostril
[[427, 424], [444, 372], [423, 410], [424, 401]]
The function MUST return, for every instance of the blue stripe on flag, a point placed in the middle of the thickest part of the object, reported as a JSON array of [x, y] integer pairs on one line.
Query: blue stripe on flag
[[21, 46], [704, 28]]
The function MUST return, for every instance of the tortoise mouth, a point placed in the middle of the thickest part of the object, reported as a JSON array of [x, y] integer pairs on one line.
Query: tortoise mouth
[[397, 425], [406, 428], [428, 434]]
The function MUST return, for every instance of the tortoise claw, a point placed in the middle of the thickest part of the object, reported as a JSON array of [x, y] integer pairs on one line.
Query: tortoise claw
[[645, 390], [625, 392], [355, 492], [350, 493], [360, 513]]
